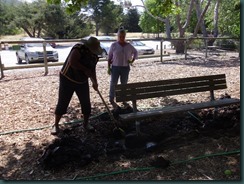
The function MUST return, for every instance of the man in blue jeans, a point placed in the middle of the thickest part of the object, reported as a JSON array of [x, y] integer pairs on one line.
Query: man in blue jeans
[[78, 67], [121, 55]]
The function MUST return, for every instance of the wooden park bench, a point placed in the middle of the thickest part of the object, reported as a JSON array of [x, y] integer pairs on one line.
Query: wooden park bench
[[163, 88]]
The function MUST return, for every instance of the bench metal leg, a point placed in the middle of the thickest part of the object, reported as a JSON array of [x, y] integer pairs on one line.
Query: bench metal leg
[[215, 112], [138, 131]]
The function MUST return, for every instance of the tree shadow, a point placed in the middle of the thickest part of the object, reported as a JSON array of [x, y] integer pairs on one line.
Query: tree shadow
[[209, 62]]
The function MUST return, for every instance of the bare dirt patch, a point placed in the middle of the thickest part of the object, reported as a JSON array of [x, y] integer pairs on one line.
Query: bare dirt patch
[[188, 148]]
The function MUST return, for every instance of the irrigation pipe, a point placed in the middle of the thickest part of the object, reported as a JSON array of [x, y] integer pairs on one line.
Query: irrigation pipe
[[48, 126], [151, 168]]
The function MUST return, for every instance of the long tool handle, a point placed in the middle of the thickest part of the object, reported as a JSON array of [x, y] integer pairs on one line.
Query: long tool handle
[[109, 112]]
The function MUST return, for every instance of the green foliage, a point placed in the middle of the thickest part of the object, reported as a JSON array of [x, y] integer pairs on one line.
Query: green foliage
[[55, 21], [76, 27], [163, 8], [70, 5], [196, 44], [147, 22], [131, 21], [227, 44], [6, 17], [41, 19], [30, 18], [229, 18], [105, 14]]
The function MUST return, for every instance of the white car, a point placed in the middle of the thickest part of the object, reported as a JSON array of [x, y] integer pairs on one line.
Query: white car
[[33, 52], [105, 47], [105, 43], [142, 48]]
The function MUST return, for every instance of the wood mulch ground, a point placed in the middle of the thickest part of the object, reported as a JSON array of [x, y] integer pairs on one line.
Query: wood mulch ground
[[188, 147]]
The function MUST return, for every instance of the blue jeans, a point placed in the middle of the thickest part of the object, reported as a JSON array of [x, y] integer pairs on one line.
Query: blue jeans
[[117, 72]]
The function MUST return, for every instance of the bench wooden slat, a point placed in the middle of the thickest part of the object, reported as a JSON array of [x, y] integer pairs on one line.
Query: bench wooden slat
[[172, 81], [130, 96], [143, 90], [161, 87], [178, 108]]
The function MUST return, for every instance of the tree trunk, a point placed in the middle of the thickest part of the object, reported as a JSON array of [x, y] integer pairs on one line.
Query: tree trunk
[[179, 46], [97, 29], [199, 11], [216, 18], [201, 18], [167, 28], [215, 31]]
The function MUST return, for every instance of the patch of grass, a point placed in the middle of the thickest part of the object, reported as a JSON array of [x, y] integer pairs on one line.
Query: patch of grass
[[13, 37]]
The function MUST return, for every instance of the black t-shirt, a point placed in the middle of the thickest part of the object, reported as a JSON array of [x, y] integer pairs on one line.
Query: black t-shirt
[[88, 59]]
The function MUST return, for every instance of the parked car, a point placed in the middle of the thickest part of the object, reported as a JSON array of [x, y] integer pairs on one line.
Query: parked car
[[105, 43], [142, 48], [33, 52], [101, 38], [105, 46], [53, 44]]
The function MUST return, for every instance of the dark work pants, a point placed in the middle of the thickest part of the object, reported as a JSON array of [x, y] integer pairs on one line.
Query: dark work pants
[[66, 91]]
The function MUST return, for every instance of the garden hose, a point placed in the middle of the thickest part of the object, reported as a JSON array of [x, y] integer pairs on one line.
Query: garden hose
[[151, 168], [48, 126]]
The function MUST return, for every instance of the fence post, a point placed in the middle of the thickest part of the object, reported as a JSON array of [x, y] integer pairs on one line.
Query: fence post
[[206, 47], [45, 57], [161, 50], [186, 42], [1, 65]]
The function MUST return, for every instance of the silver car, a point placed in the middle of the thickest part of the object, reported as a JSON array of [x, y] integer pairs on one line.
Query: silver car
[[142, 48], [33, 52]]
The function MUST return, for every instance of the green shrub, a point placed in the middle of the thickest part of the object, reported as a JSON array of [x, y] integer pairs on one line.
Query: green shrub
[[227, 44]]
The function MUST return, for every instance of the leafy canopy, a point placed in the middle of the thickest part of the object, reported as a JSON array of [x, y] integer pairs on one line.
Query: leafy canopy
[[71, 5]]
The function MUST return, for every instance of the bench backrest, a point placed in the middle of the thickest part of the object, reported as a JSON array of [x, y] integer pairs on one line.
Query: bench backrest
[[152, 89]]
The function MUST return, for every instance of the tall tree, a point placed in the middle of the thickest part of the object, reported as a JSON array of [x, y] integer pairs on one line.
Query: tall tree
[[2, 19], [149, 23], [131, 21], [7, 15], [228, 18], [55, 21], [70, 5], [77, 26], [40, 19], [105, 15], [198, 7], [30, 18]]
